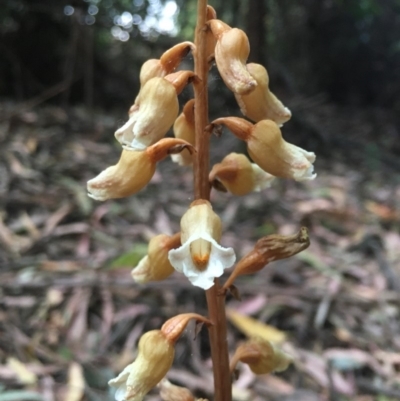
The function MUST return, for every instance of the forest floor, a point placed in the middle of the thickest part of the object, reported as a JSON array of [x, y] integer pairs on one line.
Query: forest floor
[[70, 314]]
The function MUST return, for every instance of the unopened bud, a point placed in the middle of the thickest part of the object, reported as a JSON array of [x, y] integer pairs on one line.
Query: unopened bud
[[262, 104], [133, 171], [267, 249], [155, 266], [184, 129], [239, 176], [174, 327], [155, 357], [261, 356], [270, 151], [231, 53]]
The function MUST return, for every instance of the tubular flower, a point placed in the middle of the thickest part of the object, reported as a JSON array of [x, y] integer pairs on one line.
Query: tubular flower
[[262, 104], [261, 356], [154, 111], [157, 109], [184, 129], [155, 357], [133, 171], [239, 176], [201, 258], [270, 151], [155, 266], [231, 53]]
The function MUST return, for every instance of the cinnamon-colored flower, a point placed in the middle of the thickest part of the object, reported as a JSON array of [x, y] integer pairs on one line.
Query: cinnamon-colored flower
[[262, 104], [270, 151], [239, 176]]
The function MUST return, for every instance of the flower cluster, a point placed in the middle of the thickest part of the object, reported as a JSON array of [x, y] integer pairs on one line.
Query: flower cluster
[[196, 251]]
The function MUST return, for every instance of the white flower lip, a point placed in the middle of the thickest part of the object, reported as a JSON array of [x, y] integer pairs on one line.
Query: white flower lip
[[120, 383], [220, 259], [262, 179]]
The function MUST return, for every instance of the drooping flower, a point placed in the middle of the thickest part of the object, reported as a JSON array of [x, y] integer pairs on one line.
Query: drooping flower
[[155, 356], [201, 258], [231, 52], [154, 111], [239, 176], [262, 104], [270, 151], [262, 357], [154, 359], [133, 171], [155, 266]]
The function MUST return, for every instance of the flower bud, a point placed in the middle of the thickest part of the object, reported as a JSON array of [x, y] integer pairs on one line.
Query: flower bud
[[184, 129], [173, 328], [239, 176], [201, 258], [261, 356], [170, 392], [231, 53], [158, 109], [262, 104], [267, 249], [133, 171], [270, 151], [155, 357], [155, 266]]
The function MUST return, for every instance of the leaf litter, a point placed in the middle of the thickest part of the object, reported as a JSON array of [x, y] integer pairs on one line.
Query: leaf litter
[[70, 315]]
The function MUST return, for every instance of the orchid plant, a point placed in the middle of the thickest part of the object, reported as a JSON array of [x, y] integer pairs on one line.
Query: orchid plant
[[196, 250]]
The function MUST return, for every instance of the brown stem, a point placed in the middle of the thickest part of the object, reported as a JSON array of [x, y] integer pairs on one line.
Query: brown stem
[[215, 302]]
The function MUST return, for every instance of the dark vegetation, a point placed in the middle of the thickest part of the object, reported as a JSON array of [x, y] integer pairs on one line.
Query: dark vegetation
[[68, 308]]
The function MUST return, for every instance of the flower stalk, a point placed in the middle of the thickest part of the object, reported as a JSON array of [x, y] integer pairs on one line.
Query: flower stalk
[[215, 302]]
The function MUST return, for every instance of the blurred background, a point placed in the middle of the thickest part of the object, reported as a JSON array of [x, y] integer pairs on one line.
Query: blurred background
[[70, 316]]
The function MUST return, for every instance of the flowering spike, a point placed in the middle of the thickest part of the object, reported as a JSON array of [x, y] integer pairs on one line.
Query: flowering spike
[[174, 327], [231, 53], [262, 104], [155, 266], [267, 249], [184, 129], [239, 176], [261, 356], [155, 357], [156, 110], [200, 257]]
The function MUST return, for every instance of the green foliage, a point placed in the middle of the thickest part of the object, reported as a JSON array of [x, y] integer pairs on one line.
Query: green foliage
[[130, 258]]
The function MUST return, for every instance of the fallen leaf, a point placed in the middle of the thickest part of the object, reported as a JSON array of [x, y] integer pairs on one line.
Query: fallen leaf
[[252, 327]]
